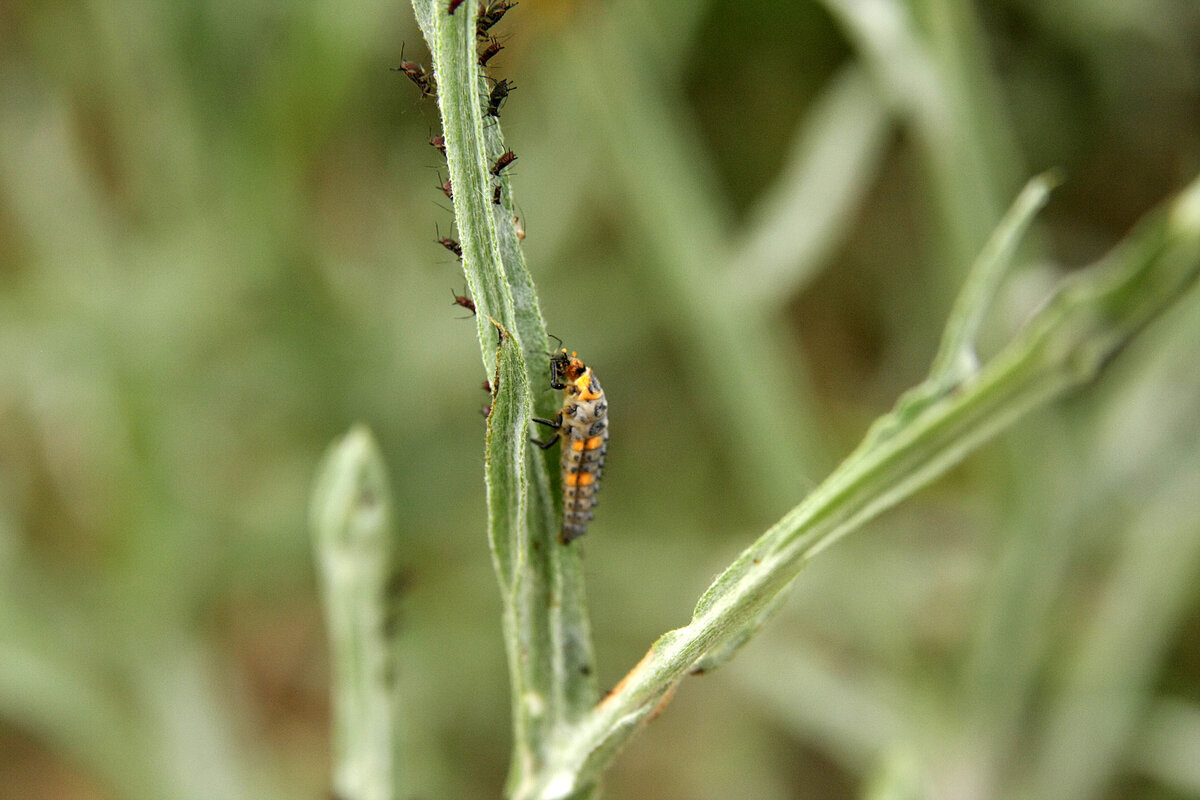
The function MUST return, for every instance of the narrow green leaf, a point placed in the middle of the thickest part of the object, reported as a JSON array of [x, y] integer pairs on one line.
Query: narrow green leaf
[[956, 358], [351, 527]]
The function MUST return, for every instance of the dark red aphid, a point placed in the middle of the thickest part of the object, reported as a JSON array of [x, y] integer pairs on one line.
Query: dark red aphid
[[450, 244], [490, 13], [454, 4], [417, 74], [506, 158], [496, 194], [438, 143], [448, 189], [487, 387], [497, 97], [490, 51], [464, 301]]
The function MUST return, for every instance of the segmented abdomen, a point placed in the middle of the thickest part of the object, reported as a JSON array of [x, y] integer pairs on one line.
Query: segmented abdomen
[[584, 441]]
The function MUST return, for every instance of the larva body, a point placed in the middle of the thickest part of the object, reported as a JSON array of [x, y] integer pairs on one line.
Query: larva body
[[582, 426]]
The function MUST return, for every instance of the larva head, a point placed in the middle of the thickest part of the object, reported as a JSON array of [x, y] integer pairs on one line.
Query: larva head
[[566, 370]]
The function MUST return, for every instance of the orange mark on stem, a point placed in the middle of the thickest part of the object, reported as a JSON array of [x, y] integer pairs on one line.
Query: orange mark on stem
[[628, 677]]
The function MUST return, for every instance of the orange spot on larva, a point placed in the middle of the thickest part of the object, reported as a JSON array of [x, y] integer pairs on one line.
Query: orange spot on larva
[[579, 479]]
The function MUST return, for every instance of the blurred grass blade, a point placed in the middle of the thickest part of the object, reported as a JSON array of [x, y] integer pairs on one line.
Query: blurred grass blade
[[351, 525], [1094, 315], [1168, 749], [1014, 629], [969, 164], [898, 777], [1095, 716], [737, 358], [850, 713], [835, 155]]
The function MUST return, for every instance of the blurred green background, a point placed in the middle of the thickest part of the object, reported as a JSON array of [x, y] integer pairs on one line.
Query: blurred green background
[[217, 253]]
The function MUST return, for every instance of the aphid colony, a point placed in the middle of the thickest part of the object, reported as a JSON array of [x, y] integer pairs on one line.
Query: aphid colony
[[582, 426], [488, 15]]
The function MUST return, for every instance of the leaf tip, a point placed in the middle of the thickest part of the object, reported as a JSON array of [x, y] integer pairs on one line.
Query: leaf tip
[[351, 487]]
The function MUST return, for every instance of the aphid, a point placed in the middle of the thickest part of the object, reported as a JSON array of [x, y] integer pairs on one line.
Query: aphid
[[489, 14], [438, 143], [506, 158], [464, 301], [519, 228], [487, 386], [454, 4], [496, 194], [488, 52], [582, 425], [497, 97], [450, 244], [448, 189], [417, 74]]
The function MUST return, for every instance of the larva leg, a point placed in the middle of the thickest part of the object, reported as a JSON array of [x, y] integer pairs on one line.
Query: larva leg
[[556, 423], [545, 445]]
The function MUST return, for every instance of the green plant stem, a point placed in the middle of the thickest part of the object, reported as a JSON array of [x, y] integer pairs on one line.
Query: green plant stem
[[351, 525], [1065, 346], [546, 630]]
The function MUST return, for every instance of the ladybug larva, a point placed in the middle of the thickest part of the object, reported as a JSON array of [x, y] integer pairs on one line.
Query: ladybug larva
[[582, 425]]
